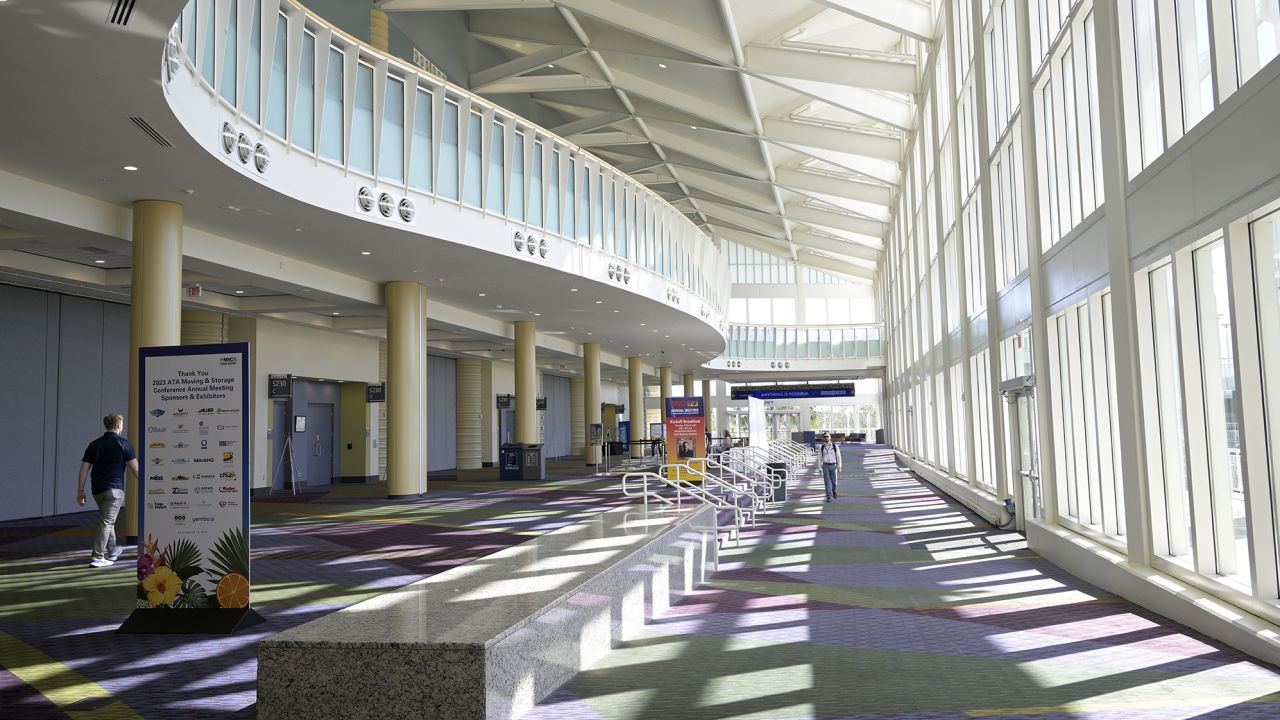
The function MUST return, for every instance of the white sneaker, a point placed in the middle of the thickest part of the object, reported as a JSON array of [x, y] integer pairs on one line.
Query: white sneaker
[[101, 563], [114, 555]]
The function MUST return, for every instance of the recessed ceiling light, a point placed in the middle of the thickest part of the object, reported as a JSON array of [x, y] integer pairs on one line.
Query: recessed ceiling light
[[498, 306], [666, 336], [536, 314], [693, 127], [551, 66], [599, 302], [297, 229], [239, 292], [590, 333], [617, 311], [662, 65], [481, 294], [101, 262], [643, 324], [573, 289], [365, 252], [335, 313], [131, 168], [437, 279]]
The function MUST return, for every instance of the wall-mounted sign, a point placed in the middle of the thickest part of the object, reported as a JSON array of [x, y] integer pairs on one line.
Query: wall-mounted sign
[[792, 392], [193, 493], [596, 434], [685, 434], [280, 386], [506, 402], [375, 392], [542, 403], [299, 423]]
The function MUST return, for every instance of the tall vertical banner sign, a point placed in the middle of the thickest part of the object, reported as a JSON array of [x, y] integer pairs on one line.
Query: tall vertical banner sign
[[686, 439], [193, 490], [757, 422]]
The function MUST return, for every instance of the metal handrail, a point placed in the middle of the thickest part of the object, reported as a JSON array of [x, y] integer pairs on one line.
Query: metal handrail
[[763, 488], [683, 488]]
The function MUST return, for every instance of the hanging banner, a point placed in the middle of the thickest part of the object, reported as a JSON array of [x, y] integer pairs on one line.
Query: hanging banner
[[686, 434], [792, 392], [757, 423], [193, 489]]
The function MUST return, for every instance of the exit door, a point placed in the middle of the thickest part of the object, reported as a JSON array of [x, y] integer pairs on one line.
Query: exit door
[[319, 444], [1024, 482]]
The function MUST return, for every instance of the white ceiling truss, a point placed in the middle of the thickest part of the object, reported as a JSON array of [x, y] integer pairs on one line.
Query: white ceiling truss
[[779, 124]]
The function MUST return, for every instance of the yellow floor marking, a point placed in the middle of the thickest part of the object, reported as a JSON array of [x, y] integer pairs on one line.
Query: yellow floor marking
[[62, 685]]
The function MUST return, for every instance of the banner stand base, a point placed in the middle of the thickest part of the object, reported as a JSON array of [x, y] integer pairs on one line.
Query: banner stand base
[[189, 621]]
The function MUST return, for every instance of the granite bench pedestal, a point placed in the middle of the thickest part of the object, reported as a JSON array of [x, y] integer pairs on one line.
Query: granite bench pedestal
[[491, 638]]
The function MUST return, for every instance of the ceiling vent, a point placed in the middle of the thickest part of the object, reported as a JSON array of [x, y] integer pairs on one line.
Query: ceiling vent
[[228, 138], [386, 205], [364, 198], [261, 157], [121, 11], [151, 132], [407, 210], [244, 148], [518, 241]]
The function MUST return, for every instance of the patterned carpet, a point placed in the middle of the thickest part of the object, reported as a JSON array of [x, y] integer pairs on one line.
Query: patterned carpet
[[892, 603], [312, 554], [895, 603]]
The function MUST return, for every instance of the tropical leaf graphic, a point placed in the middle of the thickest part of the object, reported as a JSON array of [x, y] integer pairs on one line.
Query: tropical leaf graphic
[[231, 553], [184, 558], [192, 595]]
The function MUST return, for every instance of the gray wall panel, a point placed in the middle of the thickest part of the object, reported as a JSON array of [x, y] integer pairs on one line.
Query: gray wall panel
[[442, 413], [79, 393], [558, 416], [23, 324]]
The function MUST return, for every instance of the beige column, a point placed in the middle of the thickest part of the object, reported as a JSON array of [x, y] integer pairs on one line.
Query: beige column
[[406, 389], [591, 396], [706, 404], [635, 404], [688, 384], [155, 305], [469, 413], [664, 389], [526, 382]]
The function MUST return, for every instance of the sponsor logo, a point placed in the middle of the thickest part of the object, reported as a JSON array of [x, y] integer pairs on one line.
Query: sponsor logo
[[157, 412], [157, 461], [203, 460], [178, 491], [228, 411], [179, 478], [228, 503], [157, 428], [204, 504], [227, 443], [204, 444], [202, 519], [228, 457], [180, 412], [228, 427], [157, 505], [228, 489], [156, 478], [156, 445], [205, 411], [180, 429], [228, 474], [179, 519], [204, 431], [178, 504], [229, 360], [155, 491], [179, 461], [203, 489], [180, 445]]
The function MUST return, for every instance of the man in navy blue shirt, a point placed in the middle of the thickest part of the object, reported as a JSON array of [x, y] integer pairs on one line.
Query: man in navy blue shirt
[[105, 460]]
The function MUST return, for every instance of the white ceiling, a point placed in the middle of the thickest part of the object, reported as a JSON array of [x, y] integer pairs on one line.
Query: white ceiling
[[778, 124]]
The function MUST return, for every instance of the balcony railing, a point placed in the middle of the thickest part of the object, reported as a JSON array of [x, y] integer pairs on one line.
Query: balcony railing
[[296, 84], [775, 342]]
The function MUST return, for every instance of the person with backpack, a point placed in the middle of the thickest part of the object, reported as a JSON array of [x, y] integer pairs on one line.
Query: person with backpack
[[105, 461], [829, 455]]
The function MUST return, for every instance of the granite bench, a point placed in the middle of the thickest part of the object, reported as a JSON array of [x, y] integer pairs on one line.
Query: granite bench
[[491, 638]]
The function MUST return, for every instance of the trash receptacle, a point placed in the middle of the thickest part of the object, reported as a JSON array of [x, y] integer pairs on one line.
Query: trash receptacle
[[522, 461], [780, 489]]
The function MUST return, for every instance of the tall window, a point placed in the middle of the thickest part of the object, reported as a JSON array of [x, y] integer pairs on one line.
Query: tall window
[[495, 189], [230, 55], [362, 121], [252, 105], [331, 122], [420, 142], [276, 93], [304, 109], [391, 140], [472, 178], [447, 185], [516, 201]]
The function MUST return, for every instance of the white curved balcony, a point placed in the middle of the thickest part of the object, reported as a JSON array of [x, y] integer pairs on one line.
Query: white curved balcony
[[302, 108]]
